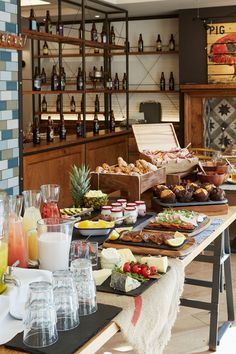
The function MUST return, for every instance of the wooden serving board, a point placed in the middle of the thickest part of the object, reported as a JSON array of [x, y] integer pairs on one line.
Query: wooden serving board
[[186, 249]]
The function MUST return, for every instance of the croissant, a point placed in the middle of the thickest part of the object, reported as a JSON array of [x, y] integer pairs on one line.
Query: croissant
[[122, 162]]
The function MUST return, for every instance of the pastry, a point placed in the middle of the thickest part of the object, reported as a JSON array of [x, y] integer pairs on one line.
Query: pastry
[[201, 195], [167, 196]]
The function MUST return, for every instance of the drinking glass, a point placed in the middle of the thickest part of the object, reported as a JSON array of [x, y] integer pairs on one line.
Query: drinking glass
[[40, 316], [85, 286], [66, 300], [4, 224], [32, 200], [54, 238], [17, 244], [50, 196], [84, 249]]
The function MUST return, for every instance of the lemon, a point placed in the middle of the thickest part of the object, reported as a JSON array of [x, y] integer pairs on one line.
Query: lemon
[[178, 234], [114, 235], [176, 242], [86, 224]]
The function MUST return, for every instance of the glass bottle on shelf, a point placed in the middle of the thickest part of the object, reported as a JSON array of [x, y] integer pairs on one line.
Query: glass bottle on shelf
[[140, 43], [171, 82], [104, 34], [72, 104], [112, 37], [44, 105], [37, 80], [62, 128], [95, 124], [60, 29], [79, 126], [45, 48], [33, 25], [158, 43], [112, 121], [54, 79], [109, 83], [80, 83], [43, 76], [50, 130], [36, 131], [116, 82], [162, 82], [62, 79], [124, 82], [58, 103], [94, 33], [48, 23], [96, 104], [171, 43]]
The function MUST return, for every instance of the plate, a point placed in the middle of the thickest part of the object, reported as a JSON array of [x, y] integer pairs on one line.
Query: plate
[[193, 203], [4, 306]]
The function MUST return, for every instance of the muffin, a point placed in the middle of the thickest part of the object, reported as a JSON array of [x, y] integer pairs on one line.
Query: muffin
[[208, 186], [167, 196], [192, 185], [158, 189], [184, 195], [217, 194], [201, 195]]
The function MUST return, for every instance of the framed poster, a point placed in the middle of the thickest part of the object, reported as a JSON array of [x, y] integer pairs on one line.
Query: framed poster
[[221, 53]]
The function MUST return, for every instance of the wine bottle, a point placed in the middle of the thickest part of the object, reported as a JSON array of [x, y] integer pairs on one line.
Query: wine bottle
[[43, 76], [62, 79], [80, 81], [48, 23], [54, 79], [94, 33], [112, 121], [50, 130], [140, 43], [58, 104], [97, 104], [95, 124], [171, 82], [109, 83], [44, 105], [79, 126], [33, 25], [37, 80], [36, 131], [72, 104], [112, 37], [171, 43], [162, 82], [45, 48], [104, 34], [158, 43], [62, 128], [116, 82], [60, 29], [124, 82]]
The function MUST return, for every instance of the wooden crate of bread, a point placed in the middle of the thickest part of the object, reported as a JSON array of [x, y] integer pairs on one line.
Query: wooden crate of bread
[[131, 179], [158, 144]]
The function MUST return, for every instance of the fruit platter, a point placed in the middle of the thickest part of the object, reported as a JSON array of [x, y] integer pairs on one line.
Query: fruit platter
[[122, 273]]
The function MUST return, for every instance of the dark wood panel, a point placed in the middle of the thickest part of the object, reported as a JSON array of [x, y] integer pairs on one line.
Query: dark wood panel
[[53, 167], [106, 150]]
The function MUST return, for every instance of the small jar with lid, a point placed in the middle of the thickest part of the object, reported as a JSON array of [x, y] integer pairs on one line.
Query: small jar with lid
[[131, 214], [123, 202], [141, 206], [133, 205], [116, 213], [106, 212], [116, 205]]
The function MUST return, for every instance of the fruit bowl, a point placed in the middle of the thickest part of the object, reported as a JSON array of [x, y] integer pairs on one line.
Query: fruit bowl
[[94, 228], [95, 199], [212, 177]]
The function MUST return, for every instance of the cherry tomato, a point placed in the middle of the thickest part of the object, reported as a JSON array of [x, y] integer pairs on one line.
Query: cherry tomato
[[143, 266], [139, 270], [126, 267], [145, 273], [153, 270], [135, 269]]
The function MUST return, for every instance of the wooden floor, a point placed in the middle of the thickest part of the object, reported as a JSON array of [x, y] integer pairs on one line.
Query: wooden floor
[[190, 332]]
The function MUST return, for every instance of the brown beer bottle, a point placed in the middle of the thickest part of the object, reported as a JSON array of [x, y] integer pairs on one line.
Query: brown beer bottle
[[159, 44], [36, 131], [62, 129], [116, 82], [171, 82], [48, 23], [50, 130], [112, 37], [97, 104], [103, 34], [33, 25], [140, 43], [54, 79], [44, 105], [37, 80], [72, 104], [95, 124], [79, 126], [45, 48], [171, 43], [112, 121], [162, 82], [124, 82]]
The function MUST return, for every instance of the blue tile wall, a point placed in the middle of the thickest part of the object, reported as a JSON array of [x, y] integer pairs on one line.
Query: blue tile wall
[[9, 115]]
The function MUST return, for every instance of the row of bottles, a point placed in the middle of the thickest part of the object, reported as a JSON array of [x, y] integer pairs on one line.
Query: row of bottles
[[44, 105], [163, 82], [58, 80], [171, 45], [62, 129]]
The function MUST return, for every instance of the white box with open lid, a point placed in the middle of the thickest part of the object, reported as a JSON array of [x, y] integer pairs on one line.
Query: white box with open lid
[[161, 137]]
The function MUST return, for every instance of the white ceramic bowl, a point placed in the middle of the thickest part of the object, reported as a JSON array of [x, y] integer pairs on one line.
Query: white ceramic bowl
[[94, 231]]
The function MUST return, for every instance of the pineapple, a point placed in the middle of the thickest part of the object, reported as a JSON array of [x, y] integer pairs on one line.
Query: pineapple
[[80, 183]]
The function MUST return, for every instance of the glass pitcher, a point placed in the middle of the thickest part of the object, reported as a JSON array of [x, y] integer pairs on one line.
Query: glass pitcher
[[32, 200], [17, 245], [3, 236], [50, 196]]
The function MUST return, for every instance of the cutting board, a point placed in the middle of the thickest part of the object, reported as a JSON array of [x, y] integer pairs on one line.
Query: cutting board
[[182, 251]]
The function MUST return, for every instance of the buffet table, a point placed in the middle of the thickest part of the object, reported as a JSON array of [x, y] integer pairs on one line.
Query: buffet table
[[135, 309]]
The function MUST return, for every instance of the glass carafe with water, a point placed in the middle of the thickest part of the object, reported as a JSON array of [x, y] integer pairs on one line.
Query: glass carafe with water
[[50, 196], [17, 244], [3, 237], [32, 200]]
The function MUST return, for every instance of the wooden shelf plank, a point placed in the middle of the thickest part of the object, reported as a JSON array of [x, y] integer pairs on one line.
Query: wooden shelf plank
[[78, 55], [152, 91], [66, 112], [47, 92]]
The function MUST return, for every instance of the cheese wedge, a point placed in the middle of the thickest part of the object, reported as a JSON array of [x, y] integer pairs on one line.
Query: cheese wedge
[[110, 258], [123, 282], [126, 255], [101, 275], [161, 263]]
